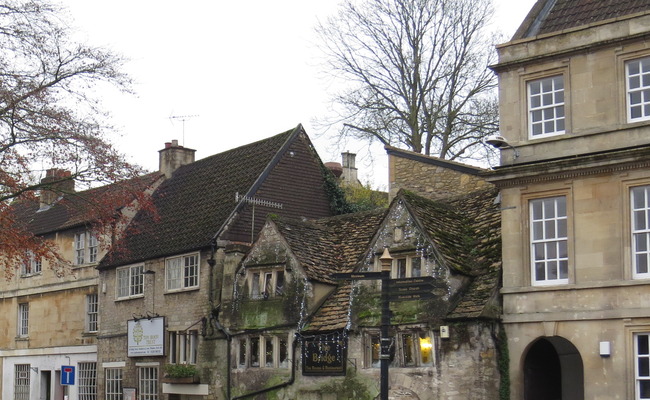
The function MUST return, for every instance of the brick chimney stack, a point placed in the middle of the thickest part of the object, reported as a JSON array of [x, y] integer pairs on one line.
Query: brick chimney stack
[[174, 156], [58, 182]]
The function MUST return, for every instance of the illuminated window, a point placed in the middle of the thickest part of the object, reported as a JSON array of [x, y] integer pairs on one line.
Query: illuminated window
[[182, 272], [408, 349]]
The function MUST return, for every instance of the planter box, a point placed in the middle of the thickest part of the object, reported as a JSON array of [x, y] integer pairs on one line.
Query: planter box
[[189, 379]]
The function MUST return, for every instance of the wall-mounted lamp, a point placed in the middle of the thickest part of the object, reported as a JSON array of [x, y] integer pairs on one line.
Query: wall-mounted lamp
[[499, 142]]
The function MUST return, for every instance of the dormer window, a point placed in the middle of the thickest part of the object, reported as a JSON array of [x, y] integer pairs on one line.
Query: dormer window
[[637, 77], [546, 107], [406, 266], [266, 283]]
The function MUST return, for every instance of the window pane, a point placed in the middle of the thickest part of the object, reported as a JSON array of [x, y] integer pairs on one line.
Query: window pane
[[642, 263], [375, 351], [279, 283], [426, 349], [242, 353], [268, 351], [644, 366], [255, 285], [284, 353], [642, 345], [255, 352], [416, 267], [408, 350]]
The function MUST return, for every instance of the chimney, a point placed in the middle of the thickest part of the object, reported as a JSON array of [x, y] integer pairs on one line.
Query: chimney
[[174, 156], [57, 182], [349, 176]]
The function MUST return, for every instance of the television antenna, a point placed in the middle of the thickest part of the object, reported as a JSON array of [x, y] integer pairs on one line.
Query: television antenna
[[182, 118]]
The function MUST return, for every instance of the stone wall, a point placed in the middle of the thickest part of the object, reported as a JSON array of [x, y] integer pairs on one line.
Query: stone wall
[[431, 177]]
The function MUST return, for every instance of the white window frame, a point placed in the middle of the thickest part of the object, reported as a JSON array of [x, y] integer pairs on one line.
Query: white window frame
[[183, 347], [546, 105], [92, 312], [32, 266], [398, 350], [86, 248], [642, 357], [270, 353], [22, 381], [637, 89], [23, 320], [403, 266], [129, 282], [182, 272], [640, 227], [148, 383], [113, 383], [87, 380], [265, 283], [548, 247]]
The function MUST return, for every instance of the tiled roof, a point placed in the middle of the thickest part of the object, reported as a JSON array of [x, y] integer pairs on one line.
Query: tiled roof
[[76, 209], [328, 245], [556, 15], [191, 206], [333, 314], [466, 231]]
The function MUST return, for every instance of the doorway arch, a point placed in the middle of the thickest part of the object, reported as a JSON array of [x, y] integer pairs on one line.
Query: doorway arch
[[553, 370]]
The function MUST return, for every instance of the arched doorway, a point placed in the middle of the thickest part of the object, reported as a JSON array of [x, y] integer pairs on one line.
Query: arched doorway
[[553, 370]]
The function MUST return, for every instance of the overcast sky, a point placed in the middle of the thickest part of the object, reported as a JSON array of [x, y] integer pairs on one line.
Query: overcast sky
[[242, 71]]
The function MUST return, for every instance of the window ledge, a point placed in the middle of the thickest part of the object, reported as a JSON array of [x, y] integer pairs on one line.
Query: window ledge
[[140, 296], [175, 291], [574, 286]]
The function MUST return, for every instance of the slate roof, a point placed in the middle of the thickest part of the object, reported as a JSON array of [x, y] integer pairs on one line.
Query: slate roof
[[466, 231], [555, 15], [77, 209], [328, 245], [192, 205]]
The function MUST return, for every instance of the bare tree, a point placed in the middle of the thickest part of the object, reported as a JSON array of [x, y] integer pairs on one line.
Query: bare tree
[[50, 116], [415, 73]]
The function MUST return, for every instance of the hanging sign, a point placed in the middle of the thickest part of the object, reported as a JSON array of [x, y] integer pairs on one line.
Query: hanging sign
[[324, 354], [146, 337]]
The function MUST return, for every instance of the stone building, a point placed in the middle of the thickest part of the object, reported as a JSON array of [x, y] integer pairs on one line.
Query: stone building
[[161, 289], [294, 332], [574, 92], [49, 311]]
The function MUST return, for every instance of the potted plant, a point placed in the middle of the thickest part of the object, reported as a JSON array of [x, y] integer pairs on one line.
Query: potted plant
[[180, 373]]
